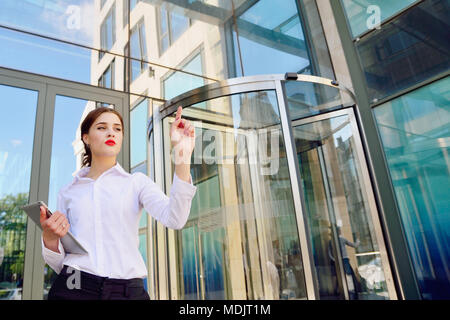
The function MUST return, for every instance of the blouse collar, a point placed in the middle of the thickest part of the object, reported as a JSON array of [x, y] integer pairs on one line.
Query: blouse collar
[[82, 173]]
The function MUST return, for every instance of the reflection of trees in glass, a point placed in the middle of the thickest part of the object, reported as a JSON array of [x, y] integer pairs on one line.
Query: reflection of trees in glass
[[12, 239]]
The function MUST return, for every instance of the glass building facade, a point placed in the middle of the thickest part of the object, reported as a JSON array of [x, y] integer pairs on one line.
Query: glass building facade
[[329, 182]]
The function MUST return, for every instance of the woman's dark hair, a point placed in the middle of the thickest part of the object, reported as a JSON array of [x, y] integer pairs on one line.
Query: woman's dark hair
[[86, 125]]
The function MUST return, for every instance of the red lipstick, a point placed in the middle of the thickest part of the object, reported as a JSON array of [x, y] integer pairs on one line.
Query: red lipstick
[[110, 142]]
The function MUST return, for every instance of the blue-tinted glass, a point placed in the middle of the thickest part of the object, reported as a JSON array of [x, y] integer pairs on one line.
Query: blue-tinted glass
[[180, 82], [138, 133], [163, 17], [138, 50], [110, 29], [38, 55], [361, 13], [306, 99], [190, 265], [275, 15], [195, 65], [143, 43], [135, 69], [107, 79], [135, 50], [415, 131], [17, 124], [211, 245], [106, 35], [71, 20], [178, 24], [408, 50], [164, 43], [271, 29]]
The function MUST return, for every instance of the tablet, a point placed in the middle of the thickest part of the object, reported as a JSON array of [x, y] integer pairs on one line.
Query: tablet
[[70, 244]]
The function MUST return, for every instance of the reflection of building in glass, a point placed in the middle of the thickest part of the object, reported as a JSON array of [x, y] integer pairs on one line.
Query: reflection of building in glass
[[273, 202]]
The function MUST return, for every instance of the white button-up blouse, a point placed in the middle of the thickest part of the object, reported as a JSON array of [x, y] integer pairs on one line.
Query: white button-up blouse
[[104, 216]]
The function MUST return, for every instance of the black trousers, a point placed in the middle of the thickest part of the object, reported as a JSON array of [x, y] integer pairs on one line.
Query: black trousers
[[79, 285]]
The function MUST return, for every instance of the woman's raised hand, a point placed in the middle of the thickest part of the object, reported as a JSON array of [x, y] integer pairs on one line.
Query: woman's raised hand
[[182, 137]]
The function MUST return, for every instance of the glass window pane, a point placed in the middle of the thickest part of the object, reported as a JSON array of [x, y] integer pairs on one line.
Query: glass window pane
[[75, 21], [135, 49], [276, 14], [138, 133], [306, 99], [17, 124], [415, 131], [179, 82], [163, 21], [135, 69], [70, 20], [178, 24], [107, 79], [110, 28], [138, 50], [360, 13], [271, 29], [143, 41], [412, 48], [164, 43], [38, 55]]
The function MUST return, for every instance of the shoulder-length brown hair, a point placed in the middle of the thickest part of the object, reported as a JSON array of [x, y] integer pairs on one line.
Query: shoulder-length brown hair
[[86, 125]]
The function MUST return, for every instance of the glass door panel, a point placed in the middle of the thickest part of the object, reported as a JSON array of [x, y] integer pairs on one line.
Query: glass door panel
[[66, 152], [346, 248], [241, 240], [18, 108]]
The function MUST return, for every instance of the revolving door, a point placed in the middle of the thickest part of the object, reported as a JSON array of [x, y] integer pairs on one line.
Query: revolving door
[[284, 207]]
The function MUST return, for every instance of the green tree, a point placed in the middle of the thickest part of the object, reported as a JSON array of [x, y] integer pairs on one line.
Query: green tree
[[13, 223]]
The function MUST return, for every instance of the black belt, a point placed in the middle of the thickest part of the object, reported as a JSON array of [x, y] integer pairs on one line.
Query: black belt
[[102, 285]]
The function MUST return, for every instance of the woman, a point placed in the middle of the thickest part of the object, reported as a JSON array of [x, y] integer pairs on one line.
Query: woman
[[102, 207]]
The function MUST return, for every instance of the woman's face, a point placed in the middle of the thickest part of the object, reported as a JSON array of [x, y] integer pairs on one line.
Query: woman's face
[[106, 128]]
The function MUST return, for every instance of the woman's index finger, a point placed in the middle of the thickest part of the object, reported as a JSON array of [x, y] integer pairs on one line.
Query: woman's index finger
[[179, 112]]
